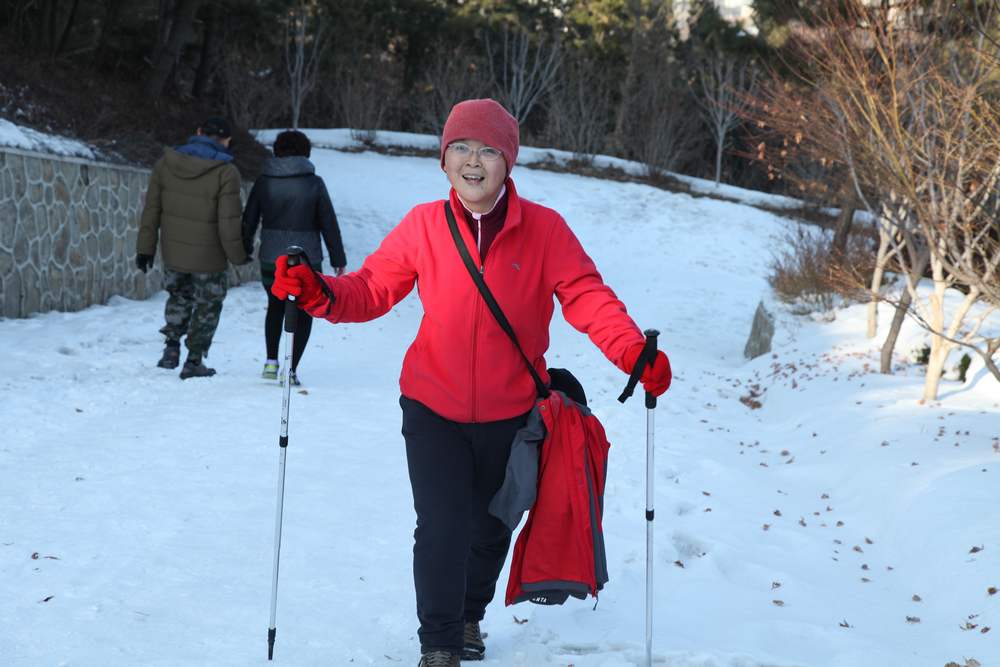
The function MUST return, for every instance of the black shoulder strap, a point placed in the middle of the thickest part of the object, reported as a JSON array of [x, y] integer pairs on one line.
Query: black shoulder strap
[[477, 277]]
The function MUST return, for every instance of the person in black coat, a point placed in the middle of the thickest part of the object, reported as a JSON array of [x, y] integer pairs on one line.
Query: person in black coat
[[292, 206]]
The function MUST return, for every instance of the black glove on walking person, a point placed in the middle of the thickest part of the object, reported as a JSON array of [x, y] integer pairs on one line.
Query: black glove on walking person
[[144, 262]]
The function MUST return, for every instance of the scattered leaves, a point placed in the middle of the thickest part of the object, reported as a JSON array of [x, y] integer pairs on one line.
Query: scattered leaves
[[802, 521], [865, 580], [868, 541], [34, 556], [777, 512], [858, 549], [46, 599], [985, 629], [840, 524], [844, 624], [520, 621], [678, 563], [992, 590], [778, 603], [912, 619], [917, 598], [766, 526], [775, 584], [975, 550]]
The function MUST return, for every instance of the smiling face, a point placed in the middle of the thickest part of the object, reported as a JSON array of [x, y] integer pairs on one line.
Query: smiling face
[[477, 181]]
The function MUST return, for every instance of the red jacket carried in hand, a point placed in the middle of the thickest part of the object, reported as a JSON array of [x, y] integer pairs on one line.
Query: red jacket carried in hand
[[461, 364], [560, 550]]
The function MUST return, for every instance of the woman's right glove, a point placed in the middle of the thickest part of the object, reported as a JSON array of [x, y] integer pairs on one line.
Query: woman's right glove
[[656, 377], [299, 281]]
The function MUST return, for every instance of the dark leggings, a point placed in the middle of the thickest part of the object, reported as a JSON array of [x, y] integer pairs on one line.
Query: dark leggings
[[273, 322]]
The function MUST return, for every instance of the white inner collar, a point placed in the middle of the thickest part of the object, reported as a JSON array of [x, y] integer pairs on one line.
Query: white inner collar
[[478, 216]]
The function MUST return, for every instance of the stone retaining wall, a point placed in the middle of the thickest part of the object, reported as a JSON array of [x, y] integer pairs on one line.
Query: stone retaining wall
[[67, 234]]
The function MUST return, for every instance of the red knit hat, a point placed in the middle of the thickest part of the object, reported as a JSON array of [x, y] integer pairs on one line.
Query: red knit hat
[[486, 121]]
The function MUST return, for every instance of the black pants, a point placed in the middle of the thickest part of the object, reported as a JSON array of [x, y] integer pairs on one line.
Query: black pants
[[273, 322], [459, 548]]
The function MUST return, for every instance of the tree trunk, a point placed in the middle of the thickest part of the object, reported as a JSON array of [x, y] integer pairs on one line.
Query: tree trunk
[[47, 25], [939, 346], [843, 229], [206, 63], [631, 74], [897, 323], [720, 142], [935, 366], [67, 28], [112, 9], [880, 261], [180, 33]]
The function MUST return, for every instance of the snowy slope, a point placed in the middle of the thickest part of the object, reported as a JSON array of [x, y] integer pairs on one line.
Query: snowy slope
[[150, 502]]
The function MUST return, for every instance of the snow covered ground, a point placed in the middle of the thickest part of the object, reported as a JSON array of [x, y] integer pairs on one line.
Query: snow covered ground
[[841, 524]]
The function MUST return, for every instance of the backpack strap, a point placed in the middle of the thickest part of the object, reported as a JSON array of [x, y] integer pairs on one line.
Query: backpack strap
[[491, 302]]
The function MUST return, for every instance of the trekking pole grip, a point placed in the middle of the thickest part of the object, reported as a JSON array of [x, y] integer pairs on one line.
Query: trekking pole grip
[[646, 357], [295, 256], [649, 352]]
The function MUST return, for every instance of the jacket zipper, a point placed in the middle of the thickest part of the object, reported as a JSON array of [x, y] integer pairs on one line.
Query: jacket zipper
[[475, 325]]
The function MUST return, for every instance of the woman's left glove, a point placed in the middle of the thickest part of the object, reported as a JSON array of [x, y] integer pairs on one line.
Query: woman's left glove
[[299, 281], [656, 377]]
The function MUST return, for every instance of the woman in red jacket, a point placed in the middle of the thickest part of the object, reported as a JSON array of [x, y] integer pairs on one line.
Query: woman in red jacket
[[465, 389]]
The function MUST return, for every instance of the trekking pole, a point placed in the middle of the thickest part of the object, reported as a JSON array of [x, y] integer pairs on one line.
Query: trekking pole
[[646, 357], [295, 255]]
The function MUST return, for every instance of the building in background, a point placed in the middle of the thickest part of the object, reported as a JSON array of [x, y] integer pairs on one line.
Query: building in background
[[736, 11]]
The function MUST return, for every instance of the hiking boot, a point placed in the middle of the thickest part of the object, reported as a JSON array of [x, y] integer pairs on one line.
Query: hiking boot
[[293, 379], [270, 372], [196, 369], [171, 357], [439, 659], [474, 648]]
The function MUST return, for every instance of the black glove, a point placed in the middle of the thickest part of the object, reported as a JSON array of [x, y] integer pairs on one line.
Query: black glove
[[144, 262]]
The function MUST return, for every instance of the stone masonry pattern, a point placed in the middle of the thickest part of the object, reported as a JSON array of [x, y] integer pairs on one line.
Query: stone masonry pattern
[[67, 234]]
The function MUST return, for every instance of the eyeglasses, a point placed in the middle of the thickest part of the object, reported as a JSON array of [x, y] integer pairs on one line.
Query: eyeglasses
[[486, 153]]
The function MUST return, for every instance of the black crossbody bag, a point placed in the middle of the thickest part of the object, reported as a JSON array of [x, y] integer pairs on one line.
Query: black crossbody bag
[[560, 378]]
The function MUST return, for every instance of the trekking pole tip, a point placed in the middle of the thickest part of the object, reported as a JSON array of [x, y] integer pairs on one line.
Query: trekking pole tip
[[270, 643]]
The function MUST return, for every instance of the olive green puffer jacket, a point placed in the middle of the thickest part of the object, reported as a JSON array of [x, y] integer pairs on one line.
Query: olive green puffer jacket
[[193, 207]]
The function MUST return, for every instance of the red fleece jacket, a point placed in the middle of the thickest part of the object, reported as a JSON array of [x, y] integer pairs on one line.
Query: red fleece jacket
[[461, 364]]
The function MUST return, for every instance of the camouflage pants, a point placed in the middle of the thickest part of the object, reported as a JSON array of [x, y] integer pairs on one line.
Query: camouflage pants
[[193, 308]]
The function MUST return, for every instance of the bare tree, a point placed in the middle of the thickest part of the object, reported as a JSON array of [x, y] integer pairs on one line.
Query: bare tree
[[919, 110], [364, 86], [252, 89], [523, 73], [175, 29], [451, 75], [303, 52], [579, 107], [726, 83]]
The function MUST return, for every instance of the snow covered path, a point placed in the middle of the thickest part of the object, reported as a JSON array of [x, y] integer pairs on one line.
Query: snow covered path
[[138, 510]]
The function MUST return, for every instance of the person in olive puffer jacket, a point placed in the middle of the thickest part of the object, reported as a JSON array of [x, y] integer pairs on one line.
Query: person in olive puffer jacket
[[193, 210], [292, 206]]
